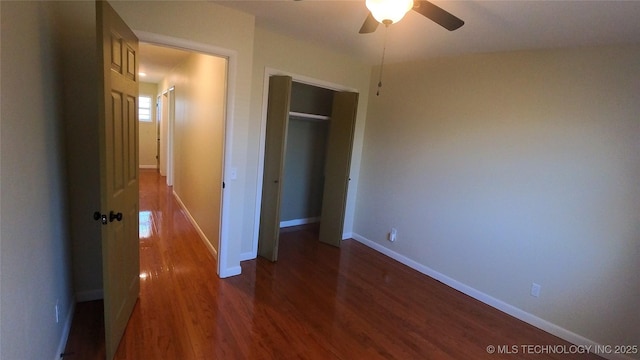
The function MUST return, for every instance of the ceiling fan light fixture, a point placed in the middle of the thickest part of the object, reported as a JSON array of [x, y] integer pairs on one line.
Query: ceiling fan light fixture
[[389, 11]]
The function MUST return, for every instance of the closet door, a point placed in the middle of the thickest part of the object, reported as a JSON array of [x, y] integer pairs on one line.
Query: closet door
[[337, 166], [275, 145]]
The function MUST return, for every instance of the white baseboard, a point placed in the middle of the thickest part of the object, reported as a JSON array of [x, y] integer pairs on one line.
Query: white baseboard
[[229, 272], [347, 236], [203, 237], [89, 295], [148, 166], [247, 256], [66, 329], [491, 301], [296, 222]]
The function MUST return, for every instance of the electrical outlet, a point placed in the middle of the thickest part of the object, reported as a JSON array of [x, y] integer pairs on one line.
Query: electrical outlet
[[57, 311], [393, 234], [535, 290]]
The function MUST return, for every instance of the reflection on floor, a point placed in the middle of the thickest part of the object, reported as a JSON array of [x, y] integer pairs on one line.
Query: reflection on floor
[[316, 302]]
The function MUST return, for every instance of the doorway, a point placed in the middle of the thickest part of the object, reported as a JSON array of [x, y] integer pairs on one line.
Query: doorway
[[165, 134], [186, 154], [318, 171], [158, 118]]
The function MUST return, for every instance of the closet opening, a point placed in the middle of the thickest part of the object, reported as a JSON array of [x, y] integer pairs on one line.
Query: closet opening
[[308, 143], [305, 154]]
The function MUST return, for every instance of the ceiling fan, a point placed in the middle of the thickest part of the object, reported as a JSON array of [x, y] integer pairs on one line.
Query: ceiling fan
[[391, 11], [388, 12]]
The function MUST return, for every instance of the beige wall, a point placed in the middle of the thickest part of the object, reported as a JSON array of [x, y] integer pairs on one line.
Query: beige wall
[[78, 66], [498, 170], [35, 263], [310, 61], [148, 145], [505, 169], [200, 96]]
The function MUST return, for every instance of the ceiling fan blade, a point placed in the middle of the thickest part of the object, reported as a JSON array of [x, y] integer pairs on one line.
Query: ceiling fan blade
[[437, 14], [370, 25]]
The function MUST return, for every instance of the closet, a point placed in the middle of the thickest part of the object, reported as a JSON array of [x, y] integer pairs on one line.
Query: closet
[[308, 146], [306, 143]]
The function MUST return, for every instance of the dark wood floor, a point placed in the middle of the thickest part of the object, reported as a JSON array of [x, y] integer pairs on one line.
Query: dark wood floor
[[316, 302]]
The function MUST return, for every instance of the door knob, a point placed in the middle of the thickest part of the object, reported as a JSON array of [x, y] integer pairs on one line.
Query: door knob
[[102, 217], [115, 216]]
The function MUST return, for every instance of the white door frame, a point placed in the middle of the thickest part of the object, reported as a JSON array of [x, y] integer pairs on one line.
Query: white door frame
[[157, 134], [162, 133], [168, 122], [268, 72], [223, 269], [171, 118]]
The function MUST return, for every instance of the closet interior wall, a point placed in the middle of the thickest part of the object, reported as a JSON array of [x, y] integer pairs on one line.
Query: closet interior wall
[[308, 129]]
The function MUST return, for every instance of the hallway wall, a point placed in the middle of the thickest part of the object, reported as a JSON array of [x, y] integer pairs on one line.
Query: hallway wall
[[200, 96]]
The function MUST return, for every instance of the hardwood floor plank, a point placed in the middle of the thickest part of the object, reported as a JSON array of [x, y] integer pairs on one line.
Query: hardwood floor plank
[[316, 302], [86, 337]]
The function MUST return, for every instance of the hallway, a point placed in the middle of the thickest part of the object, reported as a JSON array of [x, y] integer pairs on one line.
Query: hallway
[[316, 302], [178, 281]]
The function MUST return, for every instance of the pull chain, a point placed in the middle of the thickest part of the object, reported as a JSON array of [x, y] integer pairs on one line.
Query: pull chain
[[384, 50]]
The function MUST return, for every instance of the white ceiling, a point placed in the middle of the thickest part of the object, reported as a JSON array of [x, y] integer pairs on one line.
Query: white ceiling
[[490, 26], [156, 61]]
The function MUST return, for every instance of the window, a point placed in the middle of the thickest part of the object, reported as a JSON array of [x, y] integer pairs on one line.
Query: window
[[144, 108]]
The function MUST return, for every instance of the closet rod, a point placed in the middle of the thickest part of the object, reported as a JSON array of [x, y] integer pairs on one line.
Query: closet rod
[[308, 116]]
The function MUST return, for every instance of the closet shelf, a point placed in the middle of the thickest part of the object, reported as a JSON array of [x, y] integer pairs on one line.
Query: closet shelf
[[307, 116]]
